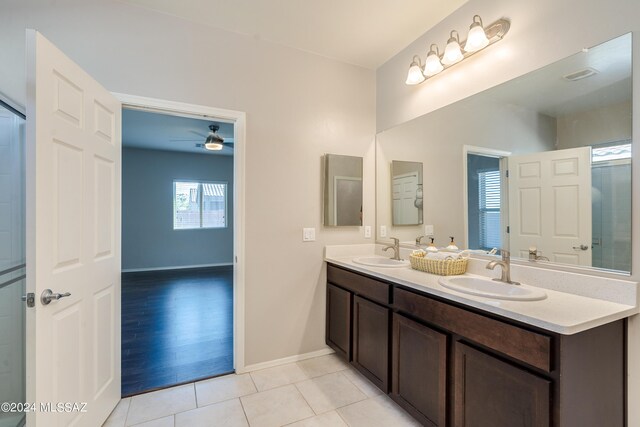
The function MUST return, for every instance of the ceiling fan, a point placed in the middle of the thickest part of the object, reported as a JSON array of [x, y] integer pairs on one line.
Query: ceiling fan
[[212, 141]]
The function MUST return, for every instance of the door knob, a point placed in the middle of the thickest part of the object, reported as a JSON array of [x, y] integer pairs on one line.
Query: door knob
[[48, 296], [581, 248]]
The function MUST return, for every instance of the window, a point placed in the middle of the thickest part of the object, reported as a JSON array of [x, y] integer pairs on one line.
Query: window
[[489, 209], [610, 152], [199, 205]]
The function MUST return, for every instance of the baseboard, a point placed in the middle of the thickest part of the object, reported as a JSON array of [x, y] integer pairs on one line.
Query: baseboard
[[285, 360], [177, 267]]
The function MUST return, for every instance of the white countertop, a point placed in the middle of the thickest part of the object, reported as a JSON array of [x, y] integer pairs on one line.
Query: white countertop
[[574, 303]]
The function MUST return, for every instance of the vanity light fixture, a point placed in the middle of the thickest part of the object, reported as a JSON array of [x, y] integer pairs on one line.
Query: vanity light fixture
[[415, 75], [432, 64], [453, 51], [478, 38]]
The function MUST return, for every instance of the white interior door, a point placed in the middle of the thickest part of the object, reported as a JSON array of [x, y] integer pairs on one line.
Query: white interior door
[[550, 205], [73, 238], [404, 197]]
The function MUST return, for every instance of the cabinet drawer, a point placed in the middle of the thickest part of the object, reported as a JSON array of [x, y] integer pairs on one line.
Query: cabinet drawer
[[530, 347], [360, 285]]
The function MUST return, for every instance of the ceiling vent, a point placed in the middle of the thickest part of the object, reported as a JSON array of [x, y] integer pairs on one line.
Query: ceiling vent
[[579, 75]]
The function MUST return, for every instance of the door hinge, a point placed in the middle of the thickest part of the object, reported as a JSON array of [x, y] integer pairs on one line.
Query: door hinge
[[508, 229], [507, 173]]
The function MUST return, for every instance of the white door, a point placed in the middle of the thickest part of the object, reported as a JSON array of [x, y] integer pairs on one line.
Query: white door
[[404, 191], [73, 239], [550, 205]]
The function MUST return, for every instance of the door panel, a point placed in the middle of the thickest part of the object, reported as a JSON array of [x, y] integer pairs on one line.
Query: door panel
[[371, 341], [492, 393], [339, 320], [550, 205], [73, 244]]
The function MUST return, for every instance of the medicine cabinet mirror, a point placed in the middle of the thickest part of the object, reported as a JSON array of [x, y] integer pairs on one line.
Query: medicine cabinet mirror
[[539, 165], [342, 190]]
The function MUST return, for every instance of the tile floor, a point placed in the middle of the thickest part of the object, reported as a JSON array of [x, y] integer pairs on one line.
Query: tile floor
[[318, 392]]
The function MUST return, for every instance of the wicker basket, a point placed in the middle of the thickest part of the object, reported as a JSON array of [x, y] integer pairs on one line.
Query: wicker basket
[[442, 267]]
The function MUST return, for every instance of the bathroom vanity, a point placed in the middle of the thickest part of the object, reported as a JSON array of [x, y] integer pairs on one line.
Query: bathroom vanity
[[451, 359]]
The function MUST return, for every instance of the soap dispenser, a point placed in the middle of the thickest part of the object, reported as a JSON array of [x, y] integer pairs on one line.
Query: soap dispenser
[[432, 246], [452, 245]]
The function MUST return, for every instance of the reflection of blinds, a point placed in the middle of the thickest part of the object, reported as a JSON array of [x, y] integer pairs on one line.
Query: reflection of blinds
[[489, 188]]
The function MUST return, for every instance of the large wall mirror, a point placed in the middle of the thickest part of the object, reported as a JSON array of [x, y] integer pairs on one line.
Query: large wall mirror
[[342, 190], [541, 162]]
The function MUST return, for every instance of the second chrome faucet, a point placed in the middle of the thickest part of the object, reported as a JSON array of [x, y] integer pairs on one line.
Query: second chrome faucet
[[395, 247], [505, 265]]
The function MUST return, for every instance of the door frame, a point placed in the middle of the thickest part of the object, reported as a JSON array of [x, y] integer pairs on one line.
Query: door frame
[[487, 152], [238, 119]]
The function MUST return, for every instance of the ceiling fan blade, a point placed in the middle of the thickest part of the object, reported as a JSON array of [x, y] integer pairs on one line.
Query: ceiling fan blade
[[200, 134]]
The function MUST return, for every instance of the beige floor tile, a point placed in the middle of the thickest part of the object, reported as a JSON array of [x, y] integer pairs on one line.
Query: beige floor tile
[[161, 422], [329, 392], [328, 419], [224, 388], [228, 414], [276, 407], [322, 365], [362, 383], [159, 404], [379, 411], [119, 414], [269, 378]]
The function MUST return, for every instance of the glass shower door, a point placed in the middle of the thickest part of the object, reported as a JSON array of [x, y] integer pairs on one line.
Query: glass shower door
[[12, 263]]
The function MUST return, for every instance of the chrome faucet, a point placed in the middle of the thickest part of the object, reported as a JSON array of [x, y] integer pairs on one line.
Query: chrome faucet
[[419, 240], [505, 264], [395, 247], [533, 255]]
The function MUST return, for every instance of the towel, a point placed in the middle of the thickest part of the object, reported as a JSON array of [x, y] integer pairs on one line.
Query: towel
[[448, 255]]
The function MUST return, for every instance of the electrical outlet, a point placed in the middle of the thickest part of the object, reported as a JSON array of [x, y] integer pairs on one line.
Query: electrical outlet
[[367, 231], [428, 230], [308, 234], [383, 231]]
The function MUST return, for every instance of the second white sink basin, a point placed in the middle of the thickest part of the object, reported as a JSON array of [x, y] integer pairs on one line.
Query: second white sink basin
[[491, 289], [377, 261]]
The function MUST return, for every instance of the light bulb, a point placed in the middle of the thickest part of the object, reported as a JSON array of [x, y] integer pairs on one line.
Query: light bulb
[[477, 38], [415, 76], [452, 53], [432, 64]]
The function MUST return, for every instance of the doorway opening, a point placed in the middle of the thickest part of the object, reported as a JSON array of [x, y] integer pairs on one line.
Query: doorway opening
[[178, 222]]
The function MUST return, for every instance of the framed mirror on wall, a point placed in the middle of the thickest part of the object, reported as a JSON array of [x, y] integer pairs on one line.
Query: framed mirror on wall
[[539, 165], [342, 195]]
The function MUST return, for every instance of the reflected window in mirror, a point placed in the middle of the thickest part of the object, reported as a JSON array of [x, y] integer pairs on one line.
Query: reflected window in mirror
[[484, 202], [342, 190]]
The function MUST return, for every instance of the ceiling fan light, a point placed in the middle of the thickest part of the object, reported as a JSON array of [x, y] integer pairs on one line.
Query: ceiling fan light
[[477, 38], [214, 141], [453, 52]]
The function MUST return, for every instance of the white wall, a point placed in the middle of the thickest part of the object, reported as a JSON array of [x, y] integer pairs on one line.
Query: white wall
[[606, 124], [299, 106], [542, 32]]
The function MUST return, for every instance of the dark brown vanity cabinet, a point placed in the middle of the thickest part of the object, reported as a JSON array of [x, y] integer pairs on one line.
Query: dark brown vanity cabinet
[[419, 370], [492, 393], [449, 365], [371, 341], [339, 320]]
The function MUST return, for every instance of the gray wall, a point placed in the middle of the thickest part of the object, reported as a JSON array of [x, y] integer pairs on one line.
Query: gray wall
[[148, 237]]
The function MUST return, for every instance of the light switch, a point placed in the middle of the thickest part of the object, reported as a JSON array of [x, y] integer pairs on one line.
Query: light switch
[[428, 230], [308, 234], [383, 231], [367, 231]]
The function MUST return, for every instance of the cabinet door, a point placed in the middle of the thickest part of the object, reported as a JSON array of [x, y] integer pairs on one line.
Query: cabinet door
[[492, 393], [339, 320], [419, 371], [371, 341]]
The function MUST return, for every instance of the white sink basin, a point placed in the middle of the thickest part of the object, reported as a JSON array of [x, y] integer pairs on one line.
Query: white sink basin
[[377, 261], [491, 289]]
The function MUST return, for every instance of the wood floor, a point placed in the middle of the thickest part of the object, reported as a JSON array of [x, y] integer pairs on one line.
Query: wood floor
[[177, 327]]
